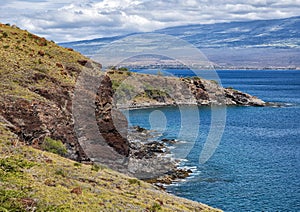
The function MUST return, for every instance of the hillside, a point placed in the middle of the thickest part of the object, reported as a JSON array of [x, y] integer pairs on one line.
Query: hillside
[[37, 83], [34, 180]]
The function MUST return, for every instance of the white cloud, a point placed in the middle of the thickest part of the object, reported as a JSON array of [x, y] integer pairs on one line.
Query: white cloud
[[85, 19]]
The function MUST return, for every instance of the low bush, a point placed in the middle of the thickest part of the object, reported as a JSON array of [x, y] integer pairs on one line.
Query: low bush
[[155, 207], [54, 146], [134, 181]]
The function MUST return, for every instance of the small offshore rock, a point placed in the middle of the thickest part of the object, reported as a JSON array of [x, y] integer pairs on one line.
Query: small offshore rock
[[169, 141]]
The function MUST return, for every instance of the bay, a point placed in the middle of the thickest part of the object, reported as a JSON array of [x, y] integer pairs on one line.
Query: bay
[[256, 166]]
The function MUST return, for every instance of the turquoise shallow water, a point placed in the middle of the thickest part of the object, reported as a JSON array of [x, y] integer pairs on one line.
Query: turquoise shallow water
[[256, 166]]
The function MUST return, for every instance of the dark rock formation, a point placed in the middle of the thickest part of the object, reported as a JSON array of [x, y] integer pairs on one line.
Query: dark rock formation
[[139, 129], [32, 121], [240, 98], [146, 150], [101, 130], [111, 122], [168, 141], [171, 176]]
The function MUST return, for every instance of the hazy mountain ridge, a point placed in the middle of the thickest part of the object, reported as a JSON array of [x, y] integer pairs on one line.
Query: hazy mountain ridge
[[250, 44], [277, 33]]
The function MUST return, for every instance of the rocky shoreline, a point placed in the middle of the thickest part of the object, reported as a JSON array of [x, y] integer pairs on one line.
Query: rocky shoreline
[[144, 145]]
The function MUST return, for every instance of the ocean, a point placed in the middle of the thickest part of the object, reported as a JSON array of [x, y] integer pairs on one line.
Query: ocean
[[256, 166]]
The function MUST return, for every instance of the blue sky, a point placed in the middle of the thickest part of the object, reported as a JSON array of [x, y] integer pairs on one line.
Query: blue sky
[[86, 19]]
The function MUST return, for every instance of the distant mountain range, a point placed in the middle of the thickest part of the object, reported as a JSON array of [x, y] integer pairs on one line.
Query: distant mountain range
[[252, 44], [280, 33]]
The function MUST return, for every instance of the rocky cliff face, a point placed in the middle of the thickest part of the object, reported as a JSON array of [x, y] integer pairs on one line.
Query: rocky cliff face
[[111, 122], [33, 120]]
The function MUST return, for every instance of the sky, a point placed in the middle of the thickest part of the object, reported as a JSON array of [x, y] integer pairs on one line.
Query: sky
[[71, 20]]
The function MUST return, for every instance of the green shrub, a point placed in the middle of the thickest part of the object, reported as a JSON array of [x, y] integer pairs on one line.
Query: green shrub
[[196, 78], [13, 165], [77, 164], [97, 167], [115, 85], [155, 207], [4, 34], [8, 200], [134, 181], [123, 69], [61, 172], [54, 146], [112, 68]]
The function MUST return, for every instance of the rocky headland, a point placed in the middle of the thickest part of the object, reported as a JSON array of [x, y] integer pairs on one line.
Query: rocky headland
[[133, 90]]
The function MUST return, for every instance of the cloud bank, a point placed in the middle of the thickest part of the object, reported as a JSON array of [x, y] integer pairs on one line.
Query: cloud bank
[[86, 19]]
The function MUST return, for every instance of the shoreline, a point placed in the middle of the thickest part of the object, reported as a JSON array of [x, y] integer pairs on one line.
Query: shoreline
[[152, 148], [157, 149], [152, 106], [221, 69]]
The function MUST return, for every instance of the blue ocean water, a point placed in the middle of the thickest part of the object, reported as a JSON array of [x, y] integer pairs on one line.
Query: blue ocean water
[[256, 166]]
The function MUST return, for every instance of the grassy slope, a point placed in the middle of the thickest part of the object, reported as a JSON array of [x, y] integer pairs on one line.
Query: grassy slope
[[31, 179], [23, 54]]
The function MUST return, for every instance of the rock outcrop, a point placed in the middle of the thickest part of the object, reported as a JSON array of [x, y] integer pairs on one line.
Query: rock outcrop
[[111, 122], [209, 92]]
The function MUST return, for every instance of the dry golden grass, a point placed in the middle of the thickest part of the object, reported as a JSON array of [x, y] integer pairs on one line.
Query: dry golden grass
[[23, 54]]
